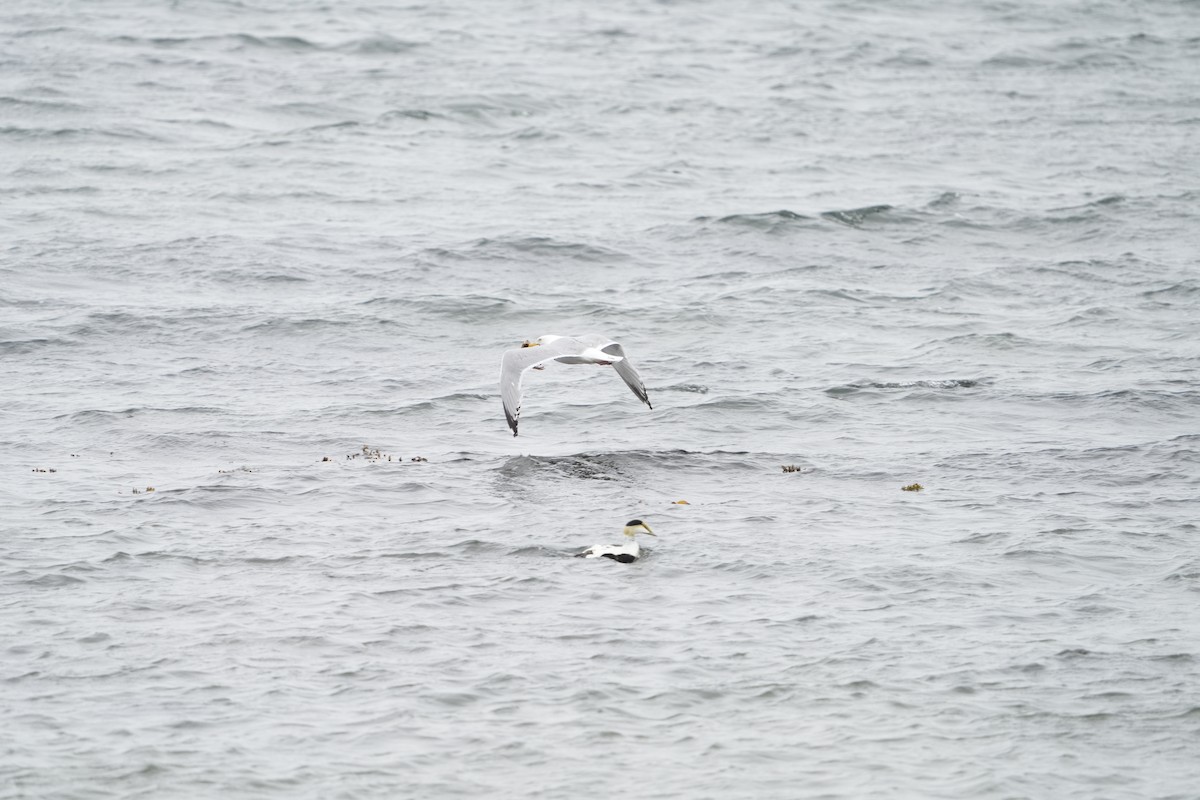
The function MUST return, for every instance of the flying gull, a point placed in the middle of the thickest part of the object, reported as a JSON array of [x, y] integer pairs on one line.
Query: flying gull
[[587, 349], [626, 553]]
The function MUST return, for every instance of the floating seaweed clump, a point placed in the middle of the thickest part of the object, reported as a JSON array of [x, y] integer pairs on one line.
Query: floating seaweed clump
[[912, 487], [370, 454]]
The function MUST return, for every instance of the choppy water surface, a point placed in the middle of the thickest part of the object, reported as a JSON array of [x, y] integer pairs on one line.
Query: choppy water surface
[[886, 244]]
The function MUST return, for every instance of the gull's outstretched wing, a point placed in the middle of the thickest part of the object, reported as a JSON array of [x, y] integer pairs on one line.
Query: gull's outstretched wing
[[513, 365], [627, 372]]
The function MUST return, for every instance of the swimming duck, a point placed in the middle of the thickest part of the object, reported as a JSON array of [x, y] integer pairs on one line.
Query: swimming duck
[[626, 552]]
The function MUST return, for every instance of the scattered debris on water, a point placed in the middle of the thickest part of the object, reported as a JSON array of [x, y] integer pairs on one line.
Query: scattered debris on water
[[367, 453]]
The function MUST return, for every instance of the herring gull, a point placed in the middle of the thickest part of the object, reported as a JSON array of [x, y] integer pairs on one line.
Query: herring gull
[[586, 349]]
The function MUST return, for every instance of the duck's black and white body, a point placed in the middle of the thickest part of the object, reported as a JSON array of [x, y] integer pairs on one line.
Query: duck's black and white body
[[628, 551], [545, 350]]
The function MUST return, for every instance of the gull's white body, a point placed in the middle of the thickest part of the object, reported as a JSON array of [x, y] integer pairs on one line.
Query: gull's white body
[[587, 349], [627, 552]]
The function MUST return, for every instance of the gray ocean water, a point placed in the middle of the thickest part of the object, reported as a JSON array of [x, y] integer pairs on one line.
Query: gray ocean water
[[886, 243]]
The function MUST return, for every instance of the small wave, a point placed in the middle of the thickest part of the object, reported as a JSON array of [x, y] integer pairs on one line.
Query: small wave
[[1184, 290], [106, 323], [751, 570], [730, 275], [458, 306], [545, 247], [670, 174], [20, 104], [856, 217], [990, 341], [1108, 200], [581, 467], [415, 555], [1097, 61], [53, 581], [945, 200], [769, 222], [840, 295], [1189, 573], [1015, 60], [784, 220], [531, 133], [23, 347], [937, 385], [379, 44], [619, 465], [264, 561], [406, 114], [1183, 401], [1180, 449], [479, 546], [493, 110], [737, 402], [231, 41], [1090, 212], [290, 325], [103, 414], [543, 551], [94, 638], [468, 396], [909, 58], [35, 191], [17, 132], [1090, 317], [341, 125]]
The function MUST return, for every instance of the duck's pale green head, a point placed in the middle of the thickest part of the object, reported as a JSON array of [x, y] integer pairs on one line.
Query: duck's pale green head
[[636, 526]]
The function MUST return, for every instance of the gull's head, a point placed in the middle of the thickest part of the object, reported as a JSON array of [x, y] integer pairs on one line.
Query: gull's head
[[547, 339], [636, 526]]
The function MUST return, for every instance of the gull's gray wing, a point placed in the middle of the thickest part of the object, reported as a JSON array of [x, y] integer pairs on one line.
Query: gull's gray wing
[[513, 365], [627, 372]]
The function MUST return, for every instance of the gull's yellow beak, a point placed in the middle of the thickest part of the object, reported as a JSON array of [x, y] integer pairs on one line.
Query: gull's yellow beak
[[528, 343]]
